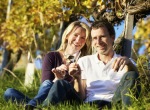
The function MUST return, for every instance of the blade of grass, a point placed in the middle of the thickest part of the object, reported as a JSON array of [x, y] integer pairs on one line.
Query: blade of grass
[[140, 64], [15, 77]]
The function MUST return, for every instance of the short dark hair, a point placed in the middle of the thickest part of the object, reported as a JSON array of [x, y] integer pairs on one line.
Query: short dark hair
[[104, 23]]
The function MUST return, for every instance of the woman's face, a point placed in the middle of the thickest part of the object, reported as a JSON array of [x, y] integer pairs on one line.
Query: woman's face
[[77, 38]]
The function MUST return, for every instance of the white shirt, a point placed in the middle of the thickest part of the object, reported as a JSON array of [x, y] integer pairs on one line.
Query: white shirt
[[101, 80]]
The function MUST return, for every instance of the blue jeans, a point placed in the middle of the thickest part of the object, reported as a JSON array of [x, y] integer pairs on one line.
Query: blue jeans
[[129, 85], [16, 96], [62, 91]]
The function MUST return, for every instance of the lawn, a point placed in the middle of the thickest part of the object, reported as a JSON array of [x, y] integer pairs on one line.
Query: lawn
[[8, 80]]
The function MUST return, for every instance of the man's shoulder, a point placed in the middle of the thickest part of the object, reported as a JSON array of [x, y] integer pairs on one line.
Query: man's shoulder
[[87, 57], [116, 55]]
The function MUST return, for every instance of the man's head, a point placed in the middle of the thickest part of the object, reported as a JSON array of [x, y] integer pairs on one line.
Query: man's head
[[103, 36], [104, 23]]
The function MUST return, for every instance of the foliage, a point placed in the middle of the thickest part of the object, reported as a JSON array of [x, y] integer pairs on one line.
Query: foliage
[[143, 65], [143, 33], [26, 18], [30, 17]]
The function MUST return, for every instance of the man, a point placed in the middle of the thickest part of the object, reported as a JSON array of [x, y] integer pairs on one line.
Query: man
[[102, 72], [102, 78]]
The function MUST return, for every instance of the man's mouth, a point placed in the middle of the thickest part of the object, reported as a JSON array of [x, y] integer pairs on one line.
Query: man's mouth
[[101, 46]]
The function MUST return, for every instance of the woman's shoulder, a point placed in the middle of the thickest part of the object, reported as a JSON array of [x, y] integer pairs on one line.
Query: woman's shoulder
[[52, 53]]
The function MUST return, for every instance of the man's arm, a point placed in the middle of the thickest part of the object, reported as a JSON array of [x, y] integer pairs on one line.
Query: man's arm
[[80, 87], [80, 84]]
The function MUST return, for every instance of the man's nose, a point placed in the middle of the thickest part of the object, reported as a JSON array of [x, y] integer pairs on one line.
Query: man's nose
[[99, 39]]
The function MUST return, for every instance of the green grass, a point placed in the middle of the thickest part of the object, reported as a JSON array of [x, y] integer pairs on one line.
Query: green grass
[[8, 80]]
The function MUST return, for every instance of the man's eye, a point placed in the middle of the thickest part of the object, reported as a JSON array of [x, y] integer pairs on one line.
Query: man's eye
[[94, 38]]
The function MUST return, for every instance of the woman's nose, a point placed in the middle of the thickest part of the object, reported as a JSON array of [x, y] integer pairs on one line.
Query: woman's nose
[[78, 39]]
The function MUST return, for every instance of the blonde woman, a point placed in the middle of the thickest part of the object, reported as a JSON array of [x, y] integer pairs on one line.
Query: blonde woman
[[75, 40]]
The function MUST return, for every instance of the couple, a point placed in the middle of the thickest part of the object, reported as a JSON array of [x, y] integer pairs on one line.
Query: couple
[[104, 78]]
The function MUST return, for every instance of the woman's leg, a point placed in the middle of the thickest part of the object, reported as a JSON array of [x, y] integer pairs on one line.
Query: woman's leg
[[14, 95], [61, 91], [42, 93]]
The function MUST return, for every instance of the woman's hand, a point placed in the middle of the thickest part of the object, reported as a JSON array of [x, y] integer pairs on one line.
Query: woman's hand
[[60, 71]]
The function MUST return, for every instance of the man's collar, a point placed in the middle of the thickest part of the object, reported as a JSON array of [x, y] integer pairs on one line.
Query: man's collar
[[97, 60]]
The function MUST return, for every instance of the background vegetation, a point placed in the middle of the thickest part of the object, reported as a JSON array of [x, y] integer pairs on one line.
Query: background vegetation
[[31, 25]]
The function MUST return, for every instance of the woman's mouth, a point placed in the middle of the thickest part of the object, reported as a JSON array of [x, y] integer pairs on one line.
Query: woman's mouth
[[77, 45]]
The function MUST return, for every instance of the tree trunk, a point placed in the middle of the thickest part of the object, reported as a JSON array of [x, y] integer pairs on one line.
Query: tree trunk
[[10, 60], [5, 59]]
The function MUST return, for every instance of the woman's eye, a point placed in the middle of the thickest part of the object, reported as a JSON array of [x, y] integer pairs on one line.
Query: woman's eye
[[82, 37], [75, 34]]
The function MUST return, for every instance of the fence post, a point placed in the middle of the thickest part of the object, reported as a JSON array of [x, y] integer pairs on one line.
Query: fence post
[[128, 35]]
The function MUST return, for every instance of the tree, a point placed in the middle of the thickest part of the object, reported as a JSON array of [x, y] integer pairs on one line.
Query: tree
[[142, 35], [28, 18]]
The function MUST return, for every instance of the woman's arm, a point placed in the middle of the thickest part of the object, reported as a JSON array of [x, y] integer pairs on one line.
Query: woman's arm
[[47, 65]]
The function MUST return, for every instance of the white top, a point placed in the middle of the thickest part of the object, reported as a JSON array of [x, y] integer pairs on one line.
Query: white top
[[101, 80]]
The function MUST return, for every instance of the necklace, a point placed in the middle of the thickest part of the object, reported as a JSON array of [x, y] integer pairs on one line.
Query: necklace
[[68, 59], [72, 58]]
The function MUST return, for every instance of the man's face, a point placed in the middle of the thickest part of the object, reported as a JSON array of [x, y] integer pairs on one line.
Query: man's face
[[102, 41]]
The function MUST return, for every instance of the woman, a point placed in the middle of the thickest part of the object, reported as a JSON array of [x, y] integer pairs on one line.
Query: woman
[[75, 39]]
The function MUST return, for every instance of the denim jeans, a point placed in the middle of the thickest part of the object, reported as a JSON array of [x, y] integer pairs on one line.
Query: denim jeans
[[63, 91], [128, 86], [16, 96], [60, 92]]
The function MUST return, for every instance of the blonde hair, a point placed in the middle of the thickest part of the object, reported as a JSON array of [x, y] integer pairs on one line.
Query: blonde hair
[[87, 47]]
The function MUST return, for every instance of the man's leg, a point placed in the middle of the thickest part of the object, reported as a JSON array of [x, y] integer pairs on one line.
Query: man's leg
[[129, 85], [101, 104], [15, 96], [61, 91]]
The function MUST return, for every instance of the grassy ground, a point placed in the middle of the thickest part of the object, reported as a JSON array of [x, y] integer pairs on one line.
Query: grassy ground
[[143, 103], [8, 80]]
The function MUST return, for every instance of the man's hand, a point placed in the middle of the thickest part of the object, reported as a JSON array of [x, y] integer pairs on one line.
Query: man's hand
[[121, 62], [74, 70]]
